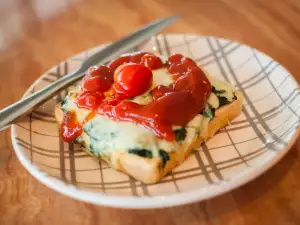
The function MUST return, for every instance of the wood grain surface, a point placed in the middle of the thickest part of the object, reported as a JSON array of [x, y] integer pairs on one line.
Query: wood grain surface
[[36, 34]]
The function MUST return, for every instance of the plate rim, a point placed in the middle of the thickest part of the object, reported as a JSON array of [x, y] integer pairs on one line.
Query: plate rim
[[148, 202]]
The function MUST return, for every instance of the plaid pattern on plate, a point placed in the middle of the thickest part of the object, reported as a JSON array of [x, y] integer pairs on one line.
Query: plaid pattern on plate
[[253, 142]]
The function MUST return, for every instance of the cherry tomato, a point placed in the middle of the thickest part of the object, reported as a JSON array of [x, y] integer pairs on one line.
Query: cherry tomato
[[98, 79], [89, 100], [132, 79], [151, 61]]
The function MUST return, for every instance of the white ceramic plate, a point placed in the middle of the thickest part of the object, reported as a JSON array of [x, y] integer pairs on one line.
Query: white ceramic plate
[[256, 140]]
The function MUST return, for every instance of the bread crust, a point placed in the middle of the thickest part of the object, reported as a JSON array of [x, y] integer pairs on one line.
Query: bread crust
[[150, 170]]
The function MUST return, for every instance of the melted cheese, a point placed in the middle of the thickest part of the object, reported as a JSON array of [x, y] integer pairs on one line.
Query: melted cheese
[[222, 85], [161, 77], [107, 135], [70, 105], [213, 101]]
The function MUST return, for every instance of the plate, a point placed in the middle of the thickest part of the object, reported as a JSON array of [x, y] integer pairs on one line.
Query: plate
[[251, 144]]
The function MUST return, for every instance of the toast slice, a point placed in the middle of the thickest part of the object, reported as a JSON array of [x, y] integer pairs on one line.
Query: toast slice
[[141, 164]]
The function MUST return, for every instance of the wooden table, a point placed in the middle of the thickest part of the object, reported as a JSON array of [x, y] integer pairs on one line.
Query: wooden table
[[36, 34]]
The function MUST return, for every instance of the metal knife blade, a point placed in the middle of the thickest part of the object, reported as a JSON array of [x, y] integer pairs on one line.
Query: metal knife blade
[[13, 112]]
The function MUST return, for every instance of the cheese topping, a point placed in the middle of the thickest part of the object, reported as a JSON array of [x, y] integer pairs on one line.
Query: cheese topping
[[222, 85], [102, 135]]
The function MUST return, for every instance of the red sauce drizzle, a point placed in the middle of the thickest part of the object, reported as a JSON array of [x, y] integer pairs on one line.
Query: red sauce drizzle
[[175, 104], [70, 127]]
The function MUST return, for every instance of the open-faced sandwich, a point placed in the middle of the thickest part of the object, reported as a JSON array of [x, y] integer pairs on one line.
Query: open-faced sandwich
[[143, 115]]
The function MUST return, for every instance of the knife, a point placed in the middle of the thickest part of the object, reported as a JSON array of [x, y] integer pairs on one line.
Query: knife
[[13, 112]]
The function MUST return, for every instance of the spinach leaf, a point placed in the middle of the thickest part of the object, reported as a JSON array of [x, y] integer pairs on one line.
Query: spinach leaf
[[92, 150], [141, 152], [210, 113], [214, 90], [151, 92], [180, 134], [114, 134], [234, 96], [164, 156], [223, 101], [63, 102]]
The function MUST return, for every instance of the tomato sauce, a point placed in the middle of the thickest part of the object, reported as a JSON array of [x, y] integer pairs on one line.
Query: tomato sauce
[[70, 128], [175, 104], [146, 58]]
